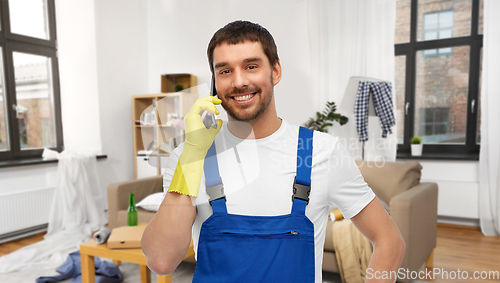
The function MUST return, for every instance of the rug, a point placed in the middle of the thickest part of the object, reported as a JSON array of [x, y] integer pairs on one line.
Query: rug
[[183, 274], [130, 271]]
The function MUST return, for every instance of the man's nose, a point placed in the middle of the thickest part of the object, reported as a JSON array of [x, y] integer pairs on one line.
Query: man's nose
[[240, 79]]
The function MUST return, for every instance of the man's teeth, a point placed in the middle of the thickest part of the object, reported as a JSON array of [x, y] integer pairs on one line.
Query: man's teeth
[[244, 97]]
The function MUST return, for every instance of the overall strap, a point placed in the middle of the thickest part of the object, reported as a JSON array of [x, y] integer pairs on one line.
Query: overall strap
[[302, 182], [213, 182]]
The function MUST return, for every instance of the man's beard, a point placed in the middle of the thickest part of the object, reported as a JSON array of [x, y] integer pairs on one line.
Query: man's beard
[[248, 117], [238, 115]]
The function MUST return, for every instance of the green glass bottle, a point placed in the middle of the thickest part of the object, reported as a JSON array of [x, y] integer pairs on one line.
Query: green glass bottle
[[131, 211]]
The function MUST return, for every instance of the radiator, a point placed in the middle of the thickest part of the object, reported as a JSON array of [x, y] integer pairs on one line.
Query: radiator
[[20, 211]]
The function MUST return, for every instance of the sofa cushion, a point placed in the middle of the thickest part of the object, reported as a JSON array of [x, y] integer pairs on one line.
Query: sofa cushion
[[390, 178], [151, 202]]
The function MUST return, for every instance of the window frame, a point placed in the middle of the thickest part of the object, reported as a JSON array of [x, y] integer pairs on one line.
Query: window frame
[[439, 28], [409, 50], [433, 124], [10, 42], [438, 31]]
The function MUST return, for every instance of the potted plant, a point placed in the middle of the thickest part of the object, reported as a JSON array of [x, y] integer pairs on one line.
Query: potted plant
[[416, 146], [325, 119]]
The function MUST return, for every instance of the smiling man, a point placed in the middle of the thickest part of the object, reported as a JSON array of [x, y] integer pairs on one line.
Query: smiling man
[[268, 222], [245, 79]]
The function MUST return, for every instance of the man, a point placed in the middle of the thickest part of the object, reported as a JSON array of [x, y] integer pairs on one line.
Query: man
[[258, 171]]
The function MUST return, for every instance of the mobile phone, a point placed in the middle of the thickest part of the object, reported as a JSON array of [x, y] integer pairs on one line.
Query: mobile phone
[[213, 90], [209, 118]]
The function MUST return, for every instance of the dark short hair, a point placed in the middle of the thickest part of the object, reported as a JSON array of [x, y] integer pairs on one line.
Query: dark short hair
[[239, 31]]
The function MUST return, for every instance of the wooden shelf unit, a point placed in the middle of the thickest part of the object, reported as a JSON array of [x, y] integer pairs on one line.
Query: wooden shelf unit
[[151, 137], [169, 81]]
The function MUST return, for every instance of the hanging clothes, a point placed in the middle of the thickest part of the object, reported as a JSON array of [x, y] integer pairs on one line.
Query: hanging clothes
[[382, 99]]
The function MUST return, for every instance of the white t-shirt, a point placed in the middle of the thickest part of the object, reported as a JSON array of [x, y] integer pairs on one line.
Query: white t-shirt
[[258, 176]]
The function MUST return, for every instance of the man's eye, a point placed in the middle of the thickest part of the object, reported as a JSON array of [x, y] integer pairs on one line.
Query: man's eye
[[224, 72], [252, 67]]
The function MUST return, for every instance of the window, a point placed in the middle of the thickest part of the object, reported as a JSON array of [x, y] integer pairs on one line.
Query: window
[[434, 124], [438, 74], [30, 111], [438, 25]]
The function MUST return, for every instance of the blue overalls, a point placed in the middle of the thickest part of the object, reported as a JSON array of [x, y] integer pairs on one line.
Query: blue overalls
[[240, 248]]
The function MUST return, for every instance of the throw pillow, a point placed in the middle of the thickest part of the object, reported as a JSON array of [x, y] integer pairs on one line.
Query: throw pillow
[[151, 202], [390, 178]]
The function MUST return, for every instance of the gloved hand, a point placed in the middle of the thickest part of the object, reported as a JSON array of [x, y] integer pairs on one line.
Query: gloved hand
[[187, 175]]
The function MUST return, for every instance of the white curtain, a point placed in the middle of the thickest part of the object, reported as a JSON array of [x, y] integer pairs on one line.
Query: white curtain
[[77, 210], [489, 159], [353, 38]]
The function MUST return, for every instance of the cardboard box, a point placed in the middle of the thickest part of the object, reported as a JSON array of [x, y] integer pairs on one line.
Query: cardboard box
[[128, 237]]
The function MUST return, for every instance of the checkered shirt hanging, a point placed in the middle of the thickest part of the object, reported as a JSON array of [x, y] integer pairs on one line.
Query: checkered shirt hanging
[[382, 98]]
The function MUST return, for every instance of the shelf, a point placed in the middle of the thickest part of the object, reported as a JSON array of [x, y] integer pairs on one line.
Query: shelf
[[169, 81], [166, 103], [35, 161], [170, 94], [154, 126], [440, 156]]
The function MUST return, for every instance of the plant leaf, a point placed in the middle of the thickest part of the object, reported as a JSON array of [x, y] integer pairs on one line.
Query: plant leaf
[[325, 118]]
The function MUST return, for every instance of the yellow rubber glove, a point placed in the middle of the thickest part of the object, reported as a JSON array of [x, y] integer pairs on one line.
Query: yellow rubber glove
[[187, 175]]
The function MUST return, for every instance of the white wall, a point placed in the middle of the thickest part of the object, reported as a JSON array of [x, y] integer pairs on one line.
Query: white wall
[[76, 33], [122, 70], [103, 62], [458, 183]]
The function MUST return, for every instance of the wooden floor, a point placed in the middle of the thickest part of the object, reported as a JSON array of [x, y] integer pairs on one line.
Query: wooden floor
[[465, 249], [7, 248], [458, 249]]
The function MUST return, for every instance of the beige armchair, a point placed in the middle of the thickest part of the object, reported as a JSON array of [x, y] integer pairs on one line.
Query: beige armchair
[[118, 199], [412, 206]]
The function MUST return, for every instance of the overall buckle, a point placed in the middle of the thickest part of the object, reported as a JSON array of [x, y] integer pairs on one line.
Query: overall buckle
[[216, 192], [301, 191]]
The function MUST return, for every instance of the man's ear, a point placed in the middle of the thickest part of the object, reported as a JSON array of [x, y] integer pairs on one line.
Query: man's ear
[[276, 73]]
